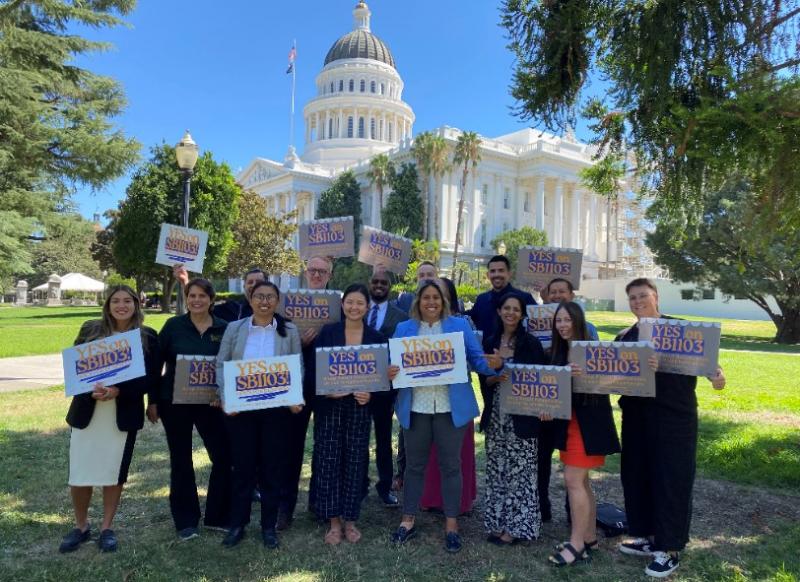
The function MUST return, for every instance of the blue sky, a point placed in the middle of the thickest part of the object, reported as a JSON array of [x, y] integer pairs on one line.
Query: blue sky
[[218, 69]]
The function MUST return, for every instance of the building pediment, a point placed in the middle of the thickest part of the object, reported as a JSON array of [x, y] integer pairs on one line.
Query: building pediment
[[260, 170]]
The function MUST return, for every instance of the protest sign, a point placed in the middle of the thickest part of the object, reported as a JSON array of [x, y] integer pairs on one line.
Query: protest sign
[[532, 390], [540, 322], [109, 360], [311, 308], [543, 264], [326, 237], [429, 360], [186, 246], [384, 249], [683, 347], [613, 368], [195, 379], [262, 383], [348, 369]]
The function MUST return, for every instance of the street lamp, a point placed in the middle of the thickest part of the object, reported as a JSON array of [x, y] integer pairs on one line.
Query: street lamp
[[186, 153]]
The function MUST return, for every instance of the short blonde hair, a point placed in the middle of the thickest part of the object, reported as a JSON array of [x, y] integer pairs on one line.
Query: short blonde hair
[[327, 260], [414, 312]]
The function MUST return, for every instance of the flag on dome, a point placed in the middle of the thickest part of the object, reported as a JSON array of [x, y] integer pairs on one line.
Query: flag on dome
[[292, 55]]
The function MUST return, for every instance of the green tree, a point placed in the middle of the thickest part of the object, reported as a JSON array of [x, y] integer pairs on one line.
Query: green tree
[[695, 90], [155, 196], [66, 249], [102, 247], [738, 260], [605, 178], [55, 132], [514, 239], [262, 238], [467, 154], [403, 214], [381, 171], [430, 153], [343, 198]]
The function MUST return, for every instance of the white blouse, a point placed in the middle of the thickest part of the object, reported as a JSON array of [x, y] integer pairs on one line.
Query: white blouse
[[430, 399]]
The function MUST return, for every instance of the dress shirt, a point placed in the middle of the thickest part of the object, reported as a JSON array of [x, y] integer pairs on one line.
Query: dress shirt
[[260, 340], [430, 399], [382, 308]]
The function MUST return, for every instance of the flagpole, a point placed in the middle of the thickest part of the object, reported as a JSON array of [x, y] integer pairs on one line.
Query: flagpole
[[291, 114]]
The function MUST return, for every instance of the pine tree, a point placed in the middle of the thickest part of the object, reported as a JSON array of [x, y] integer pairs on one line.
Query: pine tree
[[403, 214]]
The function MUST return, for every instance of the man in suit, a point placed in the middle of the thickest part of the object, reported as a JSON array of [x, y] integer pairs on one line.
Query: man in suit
[[383, 317]]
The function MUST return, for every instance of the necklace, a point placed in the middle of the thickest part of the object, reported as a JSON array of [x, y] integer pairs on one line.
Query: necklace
[[507, 342]]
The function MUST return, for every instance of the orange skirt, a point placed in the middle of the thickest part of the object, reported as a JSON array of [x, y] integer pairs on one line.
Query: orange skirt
[[575, 455]]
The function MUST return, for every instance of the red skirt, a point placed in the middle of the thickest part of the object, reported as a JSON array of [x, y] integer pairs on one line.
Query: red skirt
[[575, 455], [432, 494]]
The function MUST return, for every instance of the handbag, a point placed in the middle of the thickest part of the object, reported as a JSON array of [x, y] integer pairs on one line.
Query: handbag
[[611, 520]]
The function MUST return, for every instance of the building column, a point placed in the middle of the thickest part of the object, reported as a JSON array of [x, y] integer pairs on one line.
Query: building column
[[316, 121], [558, 214], [539, 189], [591, 226], [575, 218]]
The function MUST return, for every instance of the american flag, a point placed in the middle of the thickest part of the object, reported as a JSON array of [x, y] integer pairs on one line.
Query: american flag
[[292, 56]]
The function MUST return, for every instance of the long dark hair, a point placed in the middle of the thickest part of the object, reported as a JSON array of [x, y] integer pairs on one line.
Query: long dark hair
[[452, 295], [281, 327], [560, 347], [207, 288], [519, 333], [104, 327]]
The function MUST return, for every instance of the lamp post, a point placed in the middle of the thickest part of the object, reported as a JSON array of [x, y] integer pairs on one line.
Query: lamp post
[[186, 153]]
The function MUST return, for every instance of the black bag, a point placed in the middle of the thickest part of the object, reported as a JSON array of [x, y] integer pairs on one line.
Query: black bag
[[611, 520]]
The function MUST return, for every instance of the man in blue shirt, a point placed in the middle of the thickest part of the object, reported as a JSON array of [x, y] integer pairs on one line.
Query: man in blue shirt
[[484, 312]]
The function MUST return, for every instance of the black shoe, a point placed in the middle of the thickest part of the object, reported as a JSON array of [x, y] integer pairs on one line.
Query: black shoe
[[188, 533], [270, 538], [107, 542], [284, 521], [663, 565], [547, 514], [233, 537], [637, 547], [402, 534], [452, 542], [73, 540], [499, 541], [390, 500]]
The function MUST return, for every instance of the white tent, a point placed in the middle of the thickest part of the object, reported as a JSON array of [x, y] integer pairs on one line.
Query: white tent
[[77, 282]]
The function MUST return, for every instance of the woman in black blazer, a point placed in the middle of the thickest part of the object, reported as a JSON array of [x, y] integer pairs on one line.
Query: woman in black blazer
[[104, 422], [512, 505], [341, 428], [584, 441]]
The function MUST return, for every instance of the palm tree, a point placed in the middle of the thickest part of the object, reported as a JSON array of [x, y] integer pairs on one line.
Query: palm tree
[[467, 155], [430, 153], [381, 170]]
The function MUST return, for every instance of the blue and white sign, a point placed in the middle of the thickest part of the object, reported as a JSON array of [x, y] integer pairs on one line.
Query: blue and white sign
[[429, 360], [109, 360], [185, 246], [262, 383]]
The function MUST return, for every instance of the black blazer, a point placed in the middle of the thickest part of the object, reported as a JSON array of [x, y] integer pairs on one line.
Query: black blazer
[[394, 315], [528, 350], [330, 336], [130, 402], [595, 420]]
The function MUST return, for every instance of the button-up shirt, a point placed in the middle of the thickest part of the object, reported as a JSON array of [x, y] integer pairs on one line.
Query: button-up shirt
[[430, 399], [260, 340]]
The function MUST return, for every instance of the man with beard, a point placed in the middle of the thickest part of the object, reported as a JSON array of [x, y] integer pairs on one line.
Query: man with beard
[[484, 312]]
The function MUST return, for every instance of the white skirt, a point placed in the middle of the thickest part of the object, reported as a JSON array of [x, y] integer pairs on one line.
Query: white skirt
[[96, 452]]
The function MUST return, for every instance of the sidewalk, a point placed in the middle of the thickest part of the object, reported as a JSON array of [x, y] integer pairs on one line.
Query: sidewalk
[[30, 372]]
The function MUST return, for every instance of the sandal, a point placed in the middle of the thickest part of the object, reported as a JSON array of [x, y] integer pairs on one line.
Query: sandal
[[333, 537], [581, 557], [351, 533], [588, 546]]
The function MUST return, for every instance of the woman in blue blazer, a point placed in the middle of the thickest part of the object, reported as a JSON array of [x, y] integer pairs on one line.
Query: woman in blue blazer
[[436, 414]]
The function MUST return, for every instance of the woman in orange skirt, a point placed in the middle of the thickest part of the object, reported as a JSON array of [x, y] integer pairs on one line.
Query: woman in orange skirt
[[584, 442]]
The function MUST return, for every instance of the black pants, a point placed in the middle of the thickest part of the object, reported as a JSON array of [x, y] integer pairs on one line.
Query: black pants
[[381, 407], [179, 421], [258, 451], [295, 446], [547, 435], [659, 447]]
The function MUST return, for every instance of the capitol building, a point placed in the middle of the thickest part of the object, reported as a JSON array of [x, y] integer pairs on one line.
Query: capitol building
[[525, 178]]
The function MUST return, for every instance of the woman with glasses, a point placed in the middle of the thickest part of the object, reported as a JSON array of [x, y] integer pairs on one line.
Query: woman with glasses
[[257, 436]]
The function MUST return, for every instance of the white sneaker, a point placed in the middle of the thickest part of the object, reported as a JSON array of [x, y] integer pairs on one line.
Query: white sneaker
[[637, 547], [663, 565]]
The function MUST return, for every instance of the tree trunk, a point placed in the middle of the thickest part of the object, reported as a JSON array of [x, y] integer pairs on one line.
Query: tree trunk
[[459, 220], [434, 200], [608, 240], [380, 205], [167, 283], [788, 326], [425, 203]]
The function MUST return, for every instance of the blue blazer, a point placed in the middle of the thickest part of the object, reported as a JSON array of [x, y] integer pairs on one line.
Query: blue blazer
[[463, 404]]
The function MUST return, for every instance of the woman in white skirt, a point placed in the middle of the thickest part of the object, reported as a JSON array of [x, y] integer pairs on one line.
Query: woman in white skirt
[[104, 422]]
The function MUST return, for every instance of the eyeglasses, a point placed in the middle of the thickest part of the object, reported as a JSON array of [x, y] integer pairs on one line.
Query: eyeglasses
[[261, 298], [318, 272]]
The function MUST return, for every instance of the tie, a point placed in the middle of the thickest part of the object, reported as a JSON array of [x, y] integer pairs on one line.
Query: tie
[[373, 317]]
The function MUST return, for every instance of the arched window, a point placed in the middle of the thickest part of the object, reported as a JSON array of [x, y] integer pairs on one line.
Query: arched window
[[350, 126], [380, 130], [372, 134], [361, 127], [352, 85], [372, 86], [390, 131], [331, 86], [363, 85], [341, 85], [330, 128], [383, 89]]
